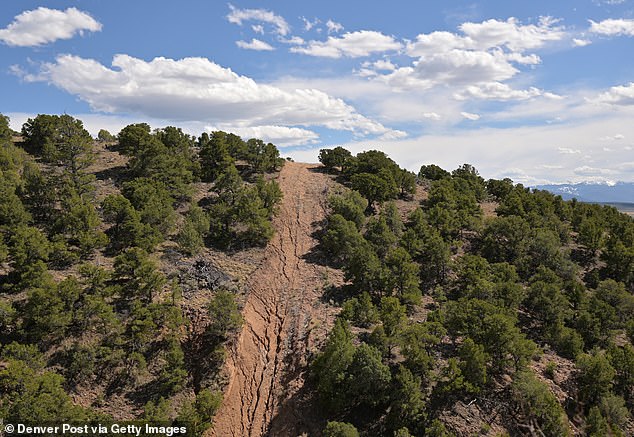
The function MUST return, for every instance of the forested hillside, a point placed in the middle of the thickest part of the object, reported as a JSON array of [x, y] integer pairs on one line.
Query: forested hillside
[[122, 266], [148, 274], [485, 309]]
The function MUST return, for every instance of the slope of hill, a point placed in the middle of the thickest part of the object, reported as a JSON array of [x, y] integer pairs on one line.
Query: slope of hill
[[284, 318]]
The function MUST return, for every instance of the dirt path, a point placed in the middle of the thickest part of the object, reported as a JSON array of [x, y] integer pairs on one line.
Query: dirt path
[[283, 317]]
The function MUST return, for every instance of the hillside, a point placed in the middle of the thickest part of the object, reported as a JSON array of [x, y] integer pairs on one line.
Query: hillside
[[284, 318], [207, 283]]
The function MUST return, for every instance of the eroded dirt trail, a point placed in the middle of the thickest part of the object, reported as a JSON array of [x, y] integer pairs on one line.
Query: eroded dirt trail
[[267, 366]]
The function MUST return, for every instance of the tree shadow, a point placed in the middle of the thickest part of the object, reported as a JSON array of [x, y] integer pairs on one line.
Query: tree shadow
[[117, 174], [337, 295], [316, 255], [338, 176], [300, 413]]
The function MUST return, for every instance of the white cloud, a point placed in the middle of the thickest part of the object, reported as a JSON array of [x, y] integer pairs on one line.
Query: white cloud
[[470, 116], [512, 34], [568, 151], [197, 89], [258, 28], [616, 137], [531, 59], [308, 25], [435, 42], [333, 27], [579, 42], [393, 135], [296, 40], [618, 95], [431, 116], [42, 25], [497, 91], [383, 64], [476, 61], [456, 67], [549, 167], [610, 27], [593, 171], [238, 16], [255, 44], [351, 44]]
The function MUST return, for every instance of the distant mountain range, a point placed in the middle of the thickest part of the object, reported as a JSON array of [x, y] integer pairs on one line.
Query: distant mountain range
[[619, 192]]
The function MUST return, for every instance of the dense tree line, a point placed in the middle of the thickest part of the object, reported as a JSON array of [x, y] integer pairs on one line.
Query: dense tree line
[[540, 274], [372, 173], [66, 322]]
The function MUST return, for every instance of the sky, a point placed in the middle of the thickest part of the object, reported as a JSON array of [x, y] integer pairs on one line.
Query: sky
[[540, 91]]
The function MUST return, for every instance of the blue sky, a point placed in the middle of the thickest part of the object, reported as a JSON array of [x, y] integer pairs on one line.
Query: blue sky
[[536, 91]]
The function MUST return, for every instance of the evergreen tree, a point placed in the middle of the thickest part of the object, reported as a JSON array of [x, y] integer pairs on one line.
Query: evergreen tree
[[351, 205], [330, 367], [137, 275], [333, 158], [595, 377], [538, 405], [407, 405], [340, 429], [473, 363], [224, 313], [127, 229], [214, 155]]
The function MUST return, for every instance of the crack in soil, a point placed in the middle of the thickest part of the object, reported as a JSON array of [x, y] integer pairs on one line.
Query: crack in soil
[[267, 365]]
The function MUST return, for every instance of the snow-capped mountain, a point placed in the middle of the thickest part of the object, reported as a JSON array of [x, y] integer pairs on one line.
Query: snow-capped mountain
[[619, 192]]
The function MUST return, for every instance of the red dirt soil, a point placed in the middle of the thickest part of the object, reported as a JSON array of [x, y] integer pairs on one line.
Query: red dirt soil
[[284, 318]]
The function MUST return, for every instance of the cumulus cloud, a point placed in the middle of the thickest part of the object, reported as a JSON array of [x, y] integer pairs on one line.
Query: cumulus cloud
[[470, 116], [197, 89], [512, 34], [568, 151], [497, 91], [308, 25], [455, 67], [255, 44], [579, 42], [295, 40], [613, 27], [477, 60], [333, 26], [431, 116], [618, 95], [435, 42], [383, 64], [593, 171], [351, 44], [238, 16], [43, 25], [258, 28], [509, 34]]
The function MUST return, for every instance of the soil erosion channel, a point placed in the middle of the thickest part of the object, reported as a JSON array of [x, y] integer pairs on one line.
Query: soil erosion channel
[[267, 365]]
